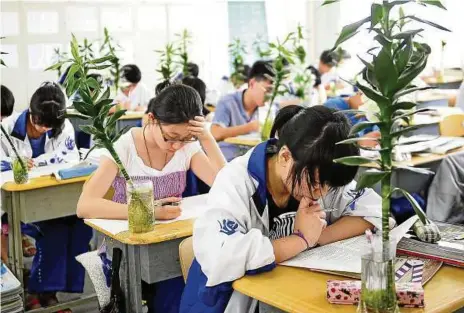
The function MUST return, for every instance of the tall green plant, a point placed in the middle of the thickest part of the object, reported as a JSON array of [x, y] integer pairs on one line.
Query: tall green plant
[[109, 47], [302, 76], [184, 41], [261, 47], [397, 59], [86, 49], [167, 66], [96, 103], [237, 51], [281, 55]]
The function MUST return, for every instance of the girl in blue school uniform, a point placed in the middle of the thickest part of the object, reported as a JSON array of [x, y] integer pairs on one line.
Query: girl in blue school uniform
[[43, 133], [173, 141], [267, 206]]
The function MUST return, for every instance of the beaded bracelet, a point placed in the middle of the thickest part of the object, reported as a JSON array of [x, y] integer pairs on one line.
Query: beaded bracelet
[[300, 234]]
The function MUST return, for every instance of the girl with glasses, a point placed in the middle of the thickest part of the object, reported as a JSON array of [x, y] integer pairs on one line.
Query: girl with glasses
[[283, 197], [174, 140]]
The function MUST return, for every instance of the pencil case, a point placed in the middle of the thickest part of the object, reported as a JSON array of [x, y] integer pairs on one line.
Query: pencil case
[[76, 171], [409, 295]]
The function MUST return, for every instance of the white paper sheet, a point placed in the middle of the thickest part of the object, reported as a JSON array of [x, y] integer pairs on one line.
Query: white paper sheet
[[345, 255], [192, 207]]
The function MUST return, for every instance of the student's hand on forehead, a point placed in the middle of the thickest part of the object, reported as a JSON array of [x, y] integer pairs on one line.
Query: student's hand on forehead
[[198, 128]]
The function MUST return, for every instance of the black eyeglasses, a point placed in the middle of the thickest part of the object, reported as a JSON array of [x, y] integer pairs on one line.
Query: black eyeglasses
[[192, 139]]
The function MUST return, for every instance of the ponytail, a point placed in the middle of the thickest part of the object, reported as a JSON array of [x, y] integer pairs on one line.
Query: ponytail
[[284, 115]]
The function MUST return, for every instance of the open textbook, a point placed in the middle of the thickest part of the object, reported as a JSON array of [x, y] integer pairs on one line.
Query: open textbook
[[345, 255], [192, 207]]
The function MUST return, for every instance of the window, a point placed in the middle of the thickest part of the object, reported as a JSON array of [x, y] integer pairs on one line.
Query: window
[[42, 22]]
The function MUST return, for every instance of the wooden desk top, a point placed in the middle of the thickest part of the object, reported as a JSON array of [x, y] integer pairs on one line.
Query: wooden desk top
[[162, 232], [243, 141], [299, 290], [136, 115], [41, 182]]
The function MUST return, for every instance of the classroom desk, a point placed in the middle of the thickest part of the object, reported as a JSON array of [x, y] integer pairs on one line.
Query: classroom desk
[[248, 141], [42, 198], [153, 256], [436, 97], [297, 290]]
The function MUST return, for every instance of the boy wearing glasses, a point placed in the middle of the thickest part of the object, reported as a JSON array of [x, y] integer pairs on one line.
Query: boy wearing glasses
[[237, 113]]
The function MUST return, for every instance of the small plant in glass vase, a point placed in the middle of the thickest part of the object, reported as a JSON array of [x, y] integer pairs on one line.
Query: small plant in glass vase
[[237, 51], [397, 59], [184, 41], [18, 161], [109, 48], [301, 76], [281, 57], [95, 107]]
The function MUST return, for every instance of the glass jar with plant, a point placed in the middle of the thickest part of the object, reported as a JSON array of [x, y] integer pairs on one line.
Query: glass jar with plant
[[18, 162], [397, 58], [237, 51], [282, 56], [95, 107]]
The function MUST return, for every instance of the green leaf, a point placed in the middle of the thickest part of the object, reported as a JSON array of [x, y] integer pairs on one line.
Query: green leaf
[[81, 107], [428, 23], [436, 3], [377, 13], [75, 49], [369, 178], [408, 91], [385, 72], [419, 170], [405, 130], [54, 66], [100, 67], [116, 116], [354, 160], [90, 150], [361, 126], [404, 106], [373, 95], [92, 83], [354, 140], [407, 34], [414, 204], [102, 59], [77, 115], [403, 56], [411, 72], [326, 2], [105, 94], [351, 112], [370, 66], [410, 113], [349, 31]]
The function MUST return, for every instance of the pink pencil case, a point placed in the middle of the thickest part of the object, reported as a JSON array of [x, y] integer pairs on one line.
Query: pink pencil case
[[409, 295]]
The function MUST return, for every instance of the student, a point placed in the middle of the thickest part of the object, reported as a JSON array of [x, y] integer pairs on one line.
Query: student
[[328, 68], [162, 151], [265, 207], [319, 95], [237, 113], [47, 138], [134, 95]]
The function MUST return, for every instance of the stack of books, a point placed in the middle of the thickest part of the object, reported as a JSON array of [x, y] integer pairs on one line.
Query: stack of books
[[11, 290]]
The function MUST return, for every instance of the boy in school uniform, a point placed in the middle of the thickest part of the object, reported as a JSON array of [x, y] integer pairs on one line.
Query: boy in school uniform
[[237, 113], [134, 95]]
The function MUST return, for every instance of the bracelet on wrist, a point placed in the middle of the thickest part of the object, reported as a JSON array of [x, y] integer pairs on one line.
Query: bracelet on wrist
[[300, 234]]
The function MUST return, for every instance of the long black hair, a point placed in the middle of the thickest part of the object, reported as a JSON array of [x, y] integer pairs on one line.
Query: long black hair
[[311, 135], [8, 101], [48, 107], [176, 104]]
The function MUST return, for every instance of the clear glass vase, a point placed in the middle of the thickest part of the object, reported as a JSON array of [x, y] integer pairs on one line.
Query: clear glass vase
[[20, 171], [378, 292], [141, 215]]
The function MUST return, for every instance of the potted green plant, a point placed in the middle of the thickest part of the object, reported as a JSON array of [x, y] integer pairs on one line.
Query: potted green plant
[[301, 75], [184, 40], [397, 59], [18, 164], [109, 49], [237, 51], [281, 55], [261, 47], [95, 107], [167, 67]]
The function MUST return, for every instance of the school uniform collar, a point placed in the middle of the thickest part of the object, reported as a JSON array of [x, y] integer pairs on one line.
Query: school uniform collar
[[239, 96], [257, 169], [20, 126]]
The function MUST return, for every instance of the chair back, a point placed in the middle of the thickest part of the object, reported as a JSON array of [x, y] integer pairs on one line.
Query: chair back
[[452, 126], [186, 256]]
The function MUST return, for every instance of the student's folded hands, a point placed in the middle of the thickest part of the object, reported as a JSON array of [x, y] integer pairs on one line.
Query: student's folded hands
[[167, 212], [310, 221]]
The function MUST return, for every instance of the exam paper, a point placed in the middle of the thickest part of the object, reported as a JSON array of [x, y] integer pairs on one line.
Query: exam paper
[[345, 255], [192, 207]]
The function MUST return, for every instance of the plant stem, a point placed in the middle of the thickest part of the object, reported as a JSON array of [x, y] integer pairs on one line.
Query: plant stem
[[121, 167], [14, 149]]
